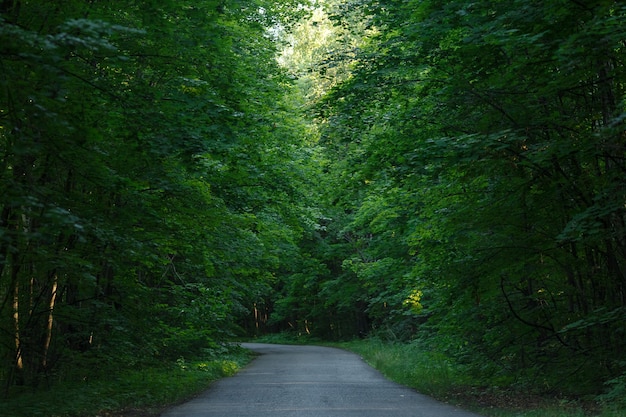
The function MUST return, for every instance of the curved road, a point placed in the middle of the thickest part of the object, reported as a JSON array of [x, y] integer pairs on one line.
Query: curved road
[[310, 381]]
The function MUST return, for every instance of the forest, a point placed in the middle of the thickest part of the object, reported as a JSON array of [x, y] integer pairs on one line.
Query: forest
[[178, 174]]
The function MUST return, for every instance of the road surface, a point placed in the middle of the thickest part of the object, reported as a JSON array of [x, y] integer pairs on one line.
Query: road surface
[[310, 381]]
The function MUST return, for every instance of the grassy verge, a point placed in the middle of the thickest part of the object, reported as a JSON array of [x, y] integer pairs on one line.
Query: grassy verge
[[433, 374], [127, 392]]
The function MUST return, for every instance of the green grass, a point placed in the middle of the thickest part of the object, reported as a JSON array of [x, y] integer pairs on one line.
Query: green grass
[[138, 392], [146, 392], [433, 374], [428, 372]]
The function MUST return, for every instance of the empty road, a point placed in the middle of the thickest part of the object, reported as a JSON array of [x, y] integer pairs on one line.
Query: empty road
[[310, 381]]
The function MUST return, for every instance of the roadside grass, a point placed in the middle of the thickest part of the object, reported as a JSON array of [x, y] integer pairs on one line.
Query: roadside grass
[[428, 372], [550, 411], [142, 392], [433, 374]]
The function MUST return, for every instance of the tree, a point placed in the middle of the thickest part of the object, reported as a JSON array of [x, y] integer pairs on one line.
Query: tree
[[146, 193], [477, 155]]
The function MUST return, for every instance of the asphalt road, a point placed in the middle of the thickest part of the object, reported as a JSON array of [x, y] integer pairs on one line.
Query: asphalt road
[[310, 381]]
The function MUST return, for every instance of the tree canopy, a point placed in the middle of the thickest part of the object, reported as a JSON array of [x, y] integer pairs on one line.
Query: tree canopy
[[175, 173], [148, 178], [474, 188]]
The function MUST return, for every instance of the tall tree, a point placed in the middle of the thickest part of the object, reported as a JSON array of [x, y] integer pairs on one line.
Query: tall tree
[[477, 157], [145, 187]]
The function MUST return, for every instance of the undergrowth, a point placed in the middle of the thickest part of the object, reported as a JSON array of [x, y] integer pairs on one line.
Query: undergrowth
[[434, 374], [138, 392]]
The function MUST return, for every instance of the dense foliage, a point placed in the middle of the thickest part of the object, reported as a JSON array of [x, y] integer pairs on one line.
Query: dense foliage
[[147, 179], [461, 180], [475, 189]]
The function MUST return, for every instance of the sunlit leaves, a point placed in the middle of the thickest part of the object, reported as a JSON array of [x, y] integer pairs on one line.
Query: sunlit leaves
[[479, 146]]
